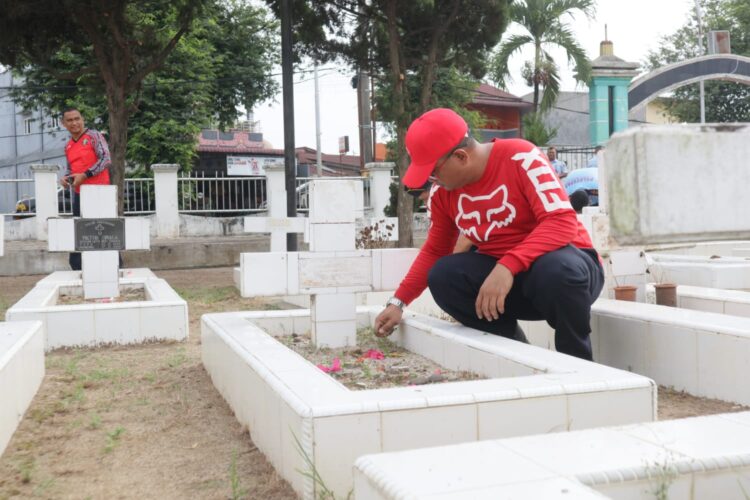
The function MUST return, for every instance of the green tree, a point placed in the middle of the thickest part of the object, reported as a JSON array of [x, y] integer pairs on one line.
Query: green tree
[[405, 46], [544, 28], [116, 44], [725, 101], [150, 73]]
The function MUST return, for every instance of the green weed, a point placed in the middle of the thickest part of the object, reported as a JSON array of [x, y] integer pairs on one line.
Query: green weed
[[113, 439], [322, 490], [177, 359], [95, 422], [26, 469], [238, 491]]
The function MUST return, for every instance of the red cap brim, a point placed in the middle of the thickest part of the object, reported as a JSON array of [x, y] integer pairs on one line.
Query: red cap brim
[[416, 175]]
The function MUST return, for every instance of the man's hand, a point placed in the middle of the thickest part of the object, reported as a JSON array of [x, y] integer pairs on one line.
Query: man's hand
[[490, 302], [64, 181], [78, 179], [387, 320]]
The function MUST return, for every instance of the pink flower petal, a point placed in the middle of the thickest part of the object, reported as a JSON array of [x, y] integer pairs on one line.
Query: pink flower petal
[[336, 365], [324, 368], [374, 354]]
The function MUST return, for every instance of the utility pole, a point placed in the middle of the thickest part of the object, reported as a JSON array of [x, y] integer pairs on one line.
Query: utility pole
[[365, 123], [318, 133], [287, 84], [701, 51]]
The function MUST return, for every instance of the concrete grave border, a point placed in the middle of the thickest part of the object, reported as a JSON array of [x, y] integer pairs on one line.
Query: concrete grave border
[[693, 458], [164, 316], [703, 353], [278, 394], [21, 372]]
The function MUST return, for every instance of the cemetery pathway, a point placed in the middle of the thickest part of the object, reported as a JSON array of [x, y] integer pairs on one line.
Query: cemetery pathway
[[145, 421]]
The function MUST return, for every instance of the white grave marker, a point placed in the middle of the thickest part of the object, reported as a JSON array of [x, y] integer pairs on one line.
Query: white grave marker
[[2, 235], [333, 271], [99, 234], [279, 227]]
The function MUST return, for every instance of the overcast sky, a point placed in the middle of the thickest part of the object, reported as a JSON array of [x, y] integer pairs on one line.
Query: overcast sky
[[634, 26]]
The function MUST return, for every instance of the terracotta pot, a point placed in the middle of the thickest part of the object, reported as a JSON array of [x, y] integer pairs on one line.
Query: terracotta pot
[[625, 292], [666, 294]]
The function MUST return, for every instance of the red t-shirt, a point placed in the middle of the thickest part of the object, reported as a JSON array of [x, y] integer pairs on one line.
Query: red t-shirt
[[516, 212], [89, 152]]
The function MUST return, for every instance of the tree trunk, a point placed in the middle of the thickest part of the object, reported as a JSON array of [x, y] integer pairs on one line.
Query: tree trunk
[[118, 140], [537, 64], [398, 74]]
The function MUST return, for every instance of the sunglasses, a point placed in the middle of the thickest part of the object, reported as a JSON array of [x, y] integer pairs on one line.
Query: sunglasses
[[415, 192]]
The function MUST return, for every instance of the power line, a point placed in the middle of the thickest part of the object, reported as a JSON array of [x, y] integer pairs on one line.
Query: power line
[[164, 83]]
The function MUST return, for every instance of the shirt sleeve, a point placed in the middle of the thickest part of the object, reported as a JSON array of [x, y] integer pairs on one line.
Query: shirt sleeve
[[441, 238], [557, 224], [102, 153]]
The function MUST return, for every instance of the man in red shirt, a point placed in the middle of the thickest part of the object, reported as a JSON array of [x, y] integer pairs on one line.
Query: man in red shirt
[[88, 159], [534, 260]]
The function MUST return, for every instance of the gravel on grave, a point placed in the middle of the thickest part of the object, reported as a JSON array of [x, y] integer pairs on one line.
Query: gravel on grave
[[127, 295], [374, 363]]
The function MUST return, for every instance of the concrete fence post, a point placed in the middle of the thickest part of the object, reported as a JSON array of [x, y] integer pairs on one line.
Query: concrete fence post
[[380, 182], [276, 190], [165, 192], [45, 192]]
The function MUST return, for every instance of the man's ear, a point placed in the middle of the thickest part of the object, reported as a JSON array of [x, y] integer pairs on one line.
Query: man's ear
[[461, 154]]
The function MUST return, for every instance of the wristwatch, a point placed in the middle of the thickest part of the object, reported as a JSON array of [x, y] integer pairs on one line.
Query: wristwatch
[[393, 301]]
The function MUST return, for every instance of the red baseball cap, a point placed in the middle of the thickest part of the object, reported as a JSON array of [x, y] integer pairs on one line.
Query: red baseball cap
[[429, 138]]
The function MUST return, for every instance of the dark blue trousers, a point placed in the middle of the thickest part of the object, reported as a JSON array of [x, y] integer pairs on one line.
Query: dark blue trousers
[[559, 288]]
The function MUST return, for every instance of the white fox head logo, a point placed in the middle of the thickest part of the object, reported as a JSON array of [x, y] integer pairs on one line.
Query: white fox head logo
[[494, 207]]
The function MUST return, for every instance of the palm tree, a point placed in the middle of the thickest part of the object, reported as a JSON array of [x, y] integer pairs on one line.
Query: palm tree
[[545, 28]]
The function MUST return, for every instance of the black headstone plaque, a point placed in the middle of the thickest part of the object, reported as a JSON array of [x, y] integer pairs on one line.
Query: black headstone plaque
[[99, 234]]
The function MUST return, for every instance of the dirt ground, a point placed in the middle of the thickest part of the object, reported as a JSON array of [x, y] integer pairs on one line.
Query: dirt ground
[[145, 421]]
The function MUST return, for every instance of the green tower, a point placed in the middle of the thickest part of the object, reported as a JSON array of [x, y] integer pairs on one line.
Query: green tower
[[608, 93]]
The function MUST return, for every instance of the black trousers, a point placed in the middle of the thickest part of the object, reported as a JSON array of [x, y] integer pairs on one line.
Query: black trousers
[[559, 287], [74, 258]]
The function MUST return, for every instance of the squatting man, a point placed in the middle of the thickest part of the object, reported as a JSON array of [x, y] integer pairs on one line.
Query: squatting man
[[533, 259]]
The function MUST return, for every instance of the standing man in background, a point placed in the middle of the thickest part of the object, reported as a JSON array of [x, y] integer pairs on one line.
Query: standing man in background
[[561, 169], [88, 160]]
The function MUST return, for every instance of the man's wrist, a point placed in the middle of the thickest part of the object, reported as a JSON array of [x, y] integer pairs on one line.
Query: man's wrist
[[89, 174], [393, 301]]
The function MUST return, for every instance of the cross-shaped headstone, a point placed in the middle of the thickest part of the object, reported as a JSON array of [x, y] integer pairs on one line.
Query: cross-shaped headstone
[[99, 234], [278, 227], [277, 223], [333, 271]]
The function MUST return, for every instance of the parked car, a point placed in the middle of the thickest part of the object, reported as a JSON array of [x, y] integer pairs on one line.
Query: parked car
[[26, 206]]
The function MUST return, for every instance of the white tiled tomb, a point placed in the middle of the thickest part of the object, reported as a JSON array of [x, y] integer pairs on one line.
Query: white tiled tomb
[[162, 316], [21, 372], [688, 459], [283, 399], [706, 354]]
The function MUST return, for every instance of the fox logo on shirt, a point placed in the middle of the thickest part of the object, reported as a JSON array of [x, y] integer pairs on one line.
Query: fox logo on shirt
[[478, 216]]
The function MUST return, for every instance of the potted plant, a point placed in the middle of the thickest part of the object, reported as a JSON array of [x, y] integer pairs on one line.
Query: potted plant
[[665, 292], [622, 292]]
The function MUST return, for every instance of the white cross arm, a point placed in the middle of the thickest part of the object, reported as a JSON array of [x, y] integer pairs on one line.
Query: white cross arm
[[293, 273], [275, 224], [61, 234]]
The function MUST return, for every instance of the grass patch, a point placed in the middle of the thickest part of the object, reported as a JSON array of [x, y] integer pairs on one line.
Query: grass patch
[[113, 439], [177, 359], [26, 469], [95, 421], [208, 295]]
